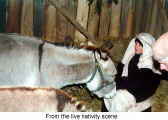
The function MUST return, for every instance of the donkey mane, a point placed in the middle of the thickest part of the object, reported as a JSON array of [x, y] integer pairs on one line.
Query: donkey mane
[[68, 43]]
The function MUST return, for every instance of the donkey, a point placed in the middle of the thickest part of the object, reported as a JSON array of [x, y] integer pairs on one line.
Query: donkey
[[28, 61]]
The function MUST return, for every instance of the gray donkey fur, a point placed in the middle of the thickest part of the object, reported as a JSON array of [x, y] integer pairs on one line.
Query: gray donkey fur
[[57, 66], [28, 62]]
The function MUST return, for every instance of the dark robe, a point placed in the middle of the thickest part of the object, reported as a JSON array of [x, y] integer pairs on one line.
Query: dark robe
[[141, 82]]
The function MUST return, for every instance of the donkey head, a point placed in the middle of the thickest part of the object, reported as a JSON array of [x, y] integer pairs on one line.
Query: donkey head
[[102, 80]]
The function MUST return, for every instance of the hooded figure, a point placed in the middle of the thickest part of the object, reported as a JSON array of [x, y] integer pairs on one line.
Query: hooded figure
[[136, 80], [160, 53]]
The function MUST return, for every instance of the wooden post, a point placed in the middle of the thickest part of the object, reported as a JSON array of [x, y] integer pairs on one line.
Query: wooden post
[[13, 20], [27, 18], [129, 20], [50, 23], [72, 10], [82, 18], [158, 30], [159, 24], [61, 23], [164, 20], [124, 10], [93, 20], [154, 17], [3, 6], [104, 20], [148, 14], [114, 30], [145, 14], [139, 14], [38, 17], [73, 21]]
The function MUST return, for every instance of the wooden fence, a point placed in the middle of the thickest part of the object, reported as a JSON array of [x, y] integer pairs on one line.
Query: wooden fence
[[115, 21]]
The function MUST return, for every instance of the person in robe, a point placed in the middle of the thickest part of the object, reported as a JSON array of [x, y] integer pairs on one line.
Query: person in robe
[[136, 79]]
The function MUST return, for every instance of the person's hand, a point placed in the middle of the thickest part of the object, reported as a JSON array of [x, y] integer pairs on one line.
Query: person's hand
[[163, 66]]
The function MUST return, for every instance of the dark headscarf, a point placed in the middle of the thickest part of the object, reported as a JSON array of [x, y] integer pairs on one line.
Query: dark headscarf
[[137, 40]]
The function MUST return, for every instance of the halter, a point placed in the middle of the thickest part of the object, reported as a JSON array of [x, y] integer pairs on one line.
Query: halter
[[98, 68]]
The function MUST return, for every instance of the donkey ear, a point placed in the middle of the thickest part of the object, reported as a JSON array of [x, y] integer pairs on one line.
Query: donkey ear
[[84, 44], [107, 44]]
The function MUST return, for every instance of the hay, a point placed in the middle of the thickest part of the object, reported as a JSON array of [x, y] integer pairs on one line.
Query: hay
[[82, 94], [160, 98]]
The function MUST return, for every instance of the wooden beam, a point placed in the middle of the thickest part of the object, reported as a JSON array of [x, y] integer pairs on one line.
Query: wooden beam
[[79, 27], [27, 18], [3, 6], [139, 14], [154, 17], [50, 23], [38, 18], [93, 20], [124, 12], [72, 10], [148, 15], [82, 18], [164, 19], [61, 23], [158, 30], [114, 30], [104, 20], [13, 20], [129, 21]]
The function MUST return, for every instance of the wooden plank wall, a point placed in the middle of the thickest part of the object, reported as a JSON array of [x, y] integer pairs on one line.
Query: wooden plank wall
[[163, 19], [104, 23], [38, 18], [130, 11], [50, 23], [14, 16], [93, 20], [61, 23], [82, 18], [3, 5], [122, 20], [115, 16], [72, 8], [27, 18]]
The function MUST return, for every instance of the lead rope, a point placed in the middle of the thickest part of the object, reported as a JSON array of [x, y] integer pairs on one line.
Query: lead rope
[[104, 83], [95, 69]]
